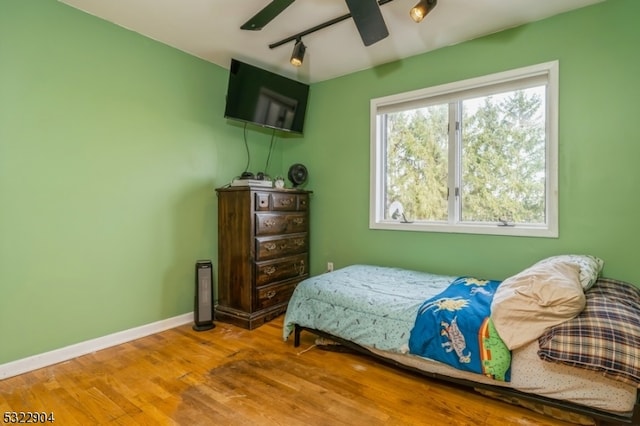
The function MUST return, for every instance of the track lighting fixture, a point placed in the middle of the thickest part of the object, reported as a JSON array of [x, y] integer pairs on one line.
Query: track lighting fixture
[[369, 32], [420, 10], [297, 37], [298, 53]]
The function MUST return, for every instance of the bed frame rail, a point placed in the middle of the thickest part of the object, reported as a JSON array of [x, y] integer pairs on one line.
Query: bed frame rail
[[602, 418]]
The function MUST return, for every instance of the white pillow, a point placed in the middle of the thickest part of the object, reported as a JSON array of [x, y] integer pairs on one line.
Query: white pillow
[[590, 266], [544, 295]]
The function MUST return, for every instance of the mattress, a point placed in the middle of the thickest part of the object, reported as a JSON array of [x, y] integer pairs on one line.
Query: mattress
[[375, 307]]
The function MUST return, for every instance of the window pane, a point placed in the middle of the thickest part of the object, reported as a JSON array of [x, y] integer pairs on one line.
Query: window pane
[[488, 143], [416, 164], [503, 157]]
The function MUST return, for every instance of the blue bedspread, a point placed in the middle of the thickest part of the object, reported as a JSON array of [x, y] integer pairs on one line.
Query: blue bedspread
[[454, 327]]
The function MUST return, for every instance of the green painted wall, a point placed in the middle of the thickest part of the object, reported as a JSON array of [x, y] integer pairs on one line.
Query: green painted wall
[[599, 149], [110, 147]]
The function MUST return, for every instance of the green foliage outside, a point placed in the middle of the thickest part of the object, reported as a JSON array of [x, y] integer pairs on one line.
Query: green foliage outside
[[502, 157]]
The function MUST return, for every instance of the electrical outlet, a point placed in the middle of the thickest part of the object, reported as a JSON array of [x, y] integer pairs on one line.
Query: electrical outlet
[[329, 266]]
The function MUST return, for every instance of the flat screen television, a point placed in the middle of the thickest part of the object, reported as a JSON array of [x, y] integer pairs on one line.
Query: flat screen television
[[258, 96]]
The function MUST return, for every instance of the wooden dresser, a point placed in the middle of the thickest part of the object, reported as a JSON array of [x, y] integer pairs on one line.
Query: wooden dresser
[[263, 252]]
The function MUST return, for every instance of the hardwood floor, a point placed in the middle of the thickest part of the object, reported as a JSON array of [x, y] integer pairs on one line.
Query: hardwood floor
[[232, 376]]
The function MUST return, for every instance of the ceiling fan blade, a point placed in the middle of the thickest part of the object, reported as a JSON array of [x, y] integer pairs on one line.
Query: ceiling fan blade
[[368, 19], [266, 15]]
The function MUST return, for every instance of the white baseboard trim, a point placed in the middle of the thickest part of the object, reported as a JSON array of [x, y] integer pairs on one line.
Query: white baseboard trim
[[56, 356]]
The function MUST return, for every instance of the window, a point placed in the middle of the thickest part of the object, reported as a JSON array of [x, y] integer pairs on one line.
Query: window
[[475, 156]]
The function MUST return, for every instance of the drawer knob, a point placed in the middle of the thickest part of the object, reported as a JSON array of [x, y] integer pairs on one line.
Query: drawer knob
[[270, 246], [271, 294], [269, 270]]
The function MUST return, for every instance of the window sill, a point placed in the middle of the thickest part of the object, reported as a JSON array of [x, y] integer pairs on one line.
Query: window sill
[[514, 231]]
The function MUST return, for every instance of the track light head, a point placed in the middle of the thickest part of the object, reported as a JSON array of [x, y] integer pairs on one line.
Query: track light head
[[420, 10], [298, 53]]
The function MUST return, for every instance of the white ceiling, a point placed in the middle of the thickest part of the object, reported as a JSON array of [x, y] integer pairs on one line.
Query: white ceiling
[[210, 29]]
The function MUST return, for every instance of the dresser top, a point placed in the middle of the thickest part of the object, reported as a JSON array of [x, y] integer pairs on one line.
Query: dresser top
[[262, 189]]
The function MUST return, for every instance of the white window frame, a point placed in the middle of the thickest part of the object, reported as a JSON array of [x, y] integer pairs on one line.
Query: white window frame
[[547, 72]]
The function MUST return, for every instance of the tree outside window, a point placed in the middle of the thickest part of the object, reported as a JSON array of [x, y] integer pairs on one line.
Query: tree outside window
[[476, 156]]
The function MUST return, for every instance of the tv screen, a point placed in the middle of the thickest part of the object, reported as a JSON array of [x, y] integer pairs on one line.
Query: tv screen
[[264, 98]]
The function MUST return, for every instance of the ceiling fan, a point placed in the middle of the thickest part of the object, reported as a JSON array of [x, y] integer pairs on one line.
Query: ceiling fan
[[365, 13]]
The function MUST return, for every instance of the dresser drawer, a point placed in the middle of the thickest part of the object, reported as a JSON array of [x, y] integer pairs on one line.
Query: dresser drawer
[[263, 201], [281, 269], [272, 247], [275, 294], [280, 223], [303, 202], [283, 201]]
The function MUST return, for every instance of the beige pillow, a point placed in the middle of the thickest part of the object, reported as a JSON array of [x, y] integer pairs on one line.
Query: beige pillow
[[541, 296]]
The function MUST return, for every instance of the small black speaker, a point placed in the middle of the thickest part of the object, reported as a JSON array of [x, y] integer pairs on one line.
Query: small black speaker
[[203, 309]]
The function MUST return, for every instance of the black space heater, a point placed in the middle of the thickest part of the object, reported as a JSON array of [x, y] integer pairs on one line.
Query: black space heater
[[203, 309]]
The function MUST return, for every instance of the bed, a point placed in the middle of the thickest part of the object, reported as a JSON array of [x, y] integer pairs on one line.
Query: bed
[[376, 310]]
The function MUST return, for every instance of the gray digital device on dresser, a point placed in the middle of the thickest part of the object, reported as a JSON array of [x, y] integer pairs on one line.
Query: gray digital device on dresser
[[203, 309]]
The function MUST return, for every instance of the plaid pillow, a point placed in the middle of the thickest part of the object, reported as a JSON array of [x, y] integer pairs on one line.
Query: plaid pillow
[[605, 337]]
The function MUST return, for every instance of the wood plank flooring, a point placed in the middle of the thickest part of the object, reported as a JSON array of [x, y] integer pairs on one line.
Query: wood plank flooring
[[232, 376]]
